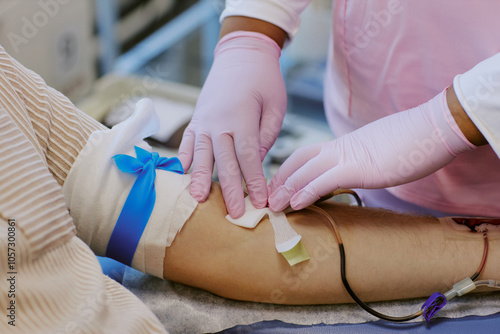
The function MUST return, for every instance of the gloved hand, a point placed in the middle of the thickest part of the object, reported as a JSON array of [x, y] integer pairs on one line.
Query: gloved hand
[[237, 119], [393, 150]]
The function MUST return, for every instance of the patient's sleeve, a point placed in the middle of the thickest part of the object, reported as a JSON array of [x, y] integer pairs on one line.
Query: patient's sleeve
[[57, 283], [55, 127]]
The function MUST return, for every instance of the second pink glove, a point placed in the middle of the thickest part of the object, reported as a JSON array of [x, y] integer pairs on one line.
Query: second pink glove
[[396, 149], [237, 119]]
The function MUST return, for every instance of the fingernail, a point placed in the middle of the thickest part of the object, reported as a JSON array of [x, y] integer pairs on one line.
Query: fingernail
[[274, 185], [260, 204], [260, 198], [270, 187], [236, 212], [269, 191], [196, 193], [257, 192], [278, 201], [301, 199], [198, 197]]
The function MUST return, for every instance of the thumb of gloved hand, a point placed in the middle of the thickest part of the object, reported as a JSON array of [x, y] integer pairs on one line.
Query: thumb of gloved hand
[[237, 119], [396, 149]]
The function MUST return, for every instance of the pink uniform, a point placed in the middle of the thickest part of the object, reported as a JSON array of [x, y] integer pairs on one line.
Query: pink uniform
[[392, 55]]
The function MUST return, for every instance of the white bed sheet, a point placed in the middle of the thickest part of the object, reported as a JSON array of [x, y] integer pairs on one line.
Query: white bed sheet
[[183, 309]]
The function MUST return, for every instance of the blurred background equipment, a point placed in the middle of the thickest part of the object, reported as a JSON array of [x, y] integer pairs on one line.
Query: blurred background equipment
[[54, 39], [71, 43], [106, 54]]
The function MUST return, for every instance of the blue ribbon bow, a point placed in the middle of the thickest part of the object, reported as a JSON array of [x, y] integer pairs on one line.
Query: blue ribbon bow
[[140, 201]]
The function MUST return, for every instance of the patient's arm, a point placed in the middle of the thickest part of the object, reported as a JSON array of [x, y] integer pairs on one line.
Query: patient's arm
[[389, 256]]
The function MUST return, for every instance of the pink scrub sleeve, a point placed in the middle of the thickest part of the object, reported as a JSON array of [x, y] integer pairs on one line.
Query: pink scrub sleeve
[[389, 56]]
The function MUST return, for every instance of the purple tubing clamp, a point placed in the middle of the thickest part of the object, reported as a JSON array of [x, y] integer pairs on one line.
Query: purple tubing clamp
[[433, 304]]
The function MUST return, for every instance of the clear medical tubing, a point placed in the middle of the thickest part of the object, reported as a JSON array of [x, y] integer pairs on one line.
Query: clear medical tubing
[[333, 225], [344, 278], [485, 256], [490, 283]]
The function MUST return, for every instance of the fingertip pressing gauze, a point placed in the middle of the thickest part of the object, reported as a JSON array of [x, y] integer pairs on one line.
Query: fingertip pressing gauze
[[287, 241], [251, 217]]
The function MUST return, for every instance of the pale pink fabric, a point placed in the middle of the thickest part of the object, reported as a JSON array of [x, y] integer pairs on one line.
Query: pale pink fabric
[[392, 55], [390, 151], [389, 56]]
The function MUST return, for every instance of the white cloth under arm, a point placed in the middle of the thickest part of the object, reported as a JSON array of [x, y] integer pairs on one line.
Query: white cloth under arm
[[95, 191], [478, 91], [282, 13], [285, 237]]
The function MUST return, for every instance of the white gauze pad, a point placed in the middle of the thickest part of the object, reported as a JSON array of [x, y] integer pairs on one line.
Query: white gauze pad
[[285, 237], [95, 191]]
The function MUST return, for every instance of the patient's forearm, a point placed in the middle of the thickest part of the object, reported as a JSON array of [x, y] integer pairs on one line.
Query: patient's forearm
[[389, 256]]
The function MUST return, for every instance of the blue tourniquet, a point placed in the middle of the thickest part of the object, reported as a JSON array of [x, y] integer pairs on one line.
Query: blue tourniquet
[[140, 201]]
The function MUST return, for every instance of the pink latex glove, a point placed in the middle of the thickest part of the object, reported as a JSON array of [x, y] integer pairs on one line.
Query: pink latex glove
[[393, 150], [237, 119]]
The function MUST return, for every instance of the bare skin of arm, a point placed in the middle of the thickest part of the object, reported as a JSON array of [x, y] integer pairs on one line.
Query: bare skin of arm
[[389, 256]]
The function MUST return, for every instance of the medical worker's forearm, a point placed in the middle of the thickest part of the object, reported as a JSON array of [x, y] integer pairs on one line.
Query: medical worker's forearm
[[235, 23], [470, 131]]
